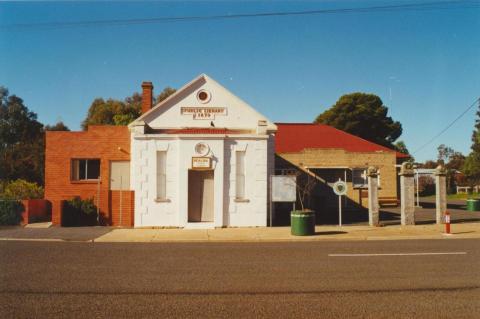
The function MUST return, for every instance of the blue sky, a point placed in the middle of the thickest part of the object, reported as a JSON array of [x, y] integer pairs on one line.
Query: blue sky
[[424, 64]]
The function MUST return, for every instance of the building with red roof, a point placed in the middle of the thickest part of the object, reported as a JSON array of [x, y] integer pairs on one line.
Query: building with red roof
[[203, 158], [331, 154]]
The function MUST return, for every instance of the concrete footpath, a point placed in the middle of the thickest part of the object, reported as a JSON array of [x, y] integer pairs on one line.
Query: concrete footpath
[[253, 234]]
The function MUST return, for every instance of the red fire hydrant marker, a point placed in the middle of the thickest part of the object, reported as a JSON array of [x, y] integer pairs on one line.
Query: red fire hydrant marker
[[447, 222]]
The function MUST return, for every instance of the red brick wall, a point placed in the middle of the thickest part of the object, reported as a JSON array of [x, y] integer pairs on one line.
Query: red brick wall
[[126, 208], [107, 143], [36, 210]]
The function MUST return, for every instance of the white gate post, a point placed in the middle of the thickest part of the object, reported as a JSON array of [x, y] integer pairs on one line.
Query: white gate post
[[407, 198], [440, 193], [373, 207]]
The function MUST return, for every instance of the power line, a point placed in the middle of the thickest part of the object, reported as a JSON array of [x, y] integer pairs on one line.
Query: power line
[[447, 127], [387, 8]]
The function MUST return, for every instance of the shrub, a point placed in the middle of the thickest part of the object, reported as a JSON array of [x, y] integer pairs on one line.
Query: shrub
[[79, 212], [21, 189], [10, 212]]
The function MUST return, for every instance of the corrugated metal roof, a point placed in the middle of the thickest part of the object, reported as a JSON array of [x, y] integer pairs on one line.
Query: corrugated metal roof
[[295, 137]]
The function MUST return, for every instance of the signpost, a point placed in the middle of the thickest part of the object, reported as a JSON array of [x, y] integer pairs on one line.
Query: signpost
[[340, 189]]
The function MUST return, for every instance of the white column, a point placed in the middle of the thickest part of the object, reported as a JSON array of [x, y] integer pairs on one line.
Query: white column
[[407, 198], [373, 206], [440, 194]]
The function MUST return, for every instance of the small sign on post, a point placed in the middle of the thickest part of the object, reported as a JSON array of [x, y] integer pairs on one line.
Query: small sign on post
[[340, 189]]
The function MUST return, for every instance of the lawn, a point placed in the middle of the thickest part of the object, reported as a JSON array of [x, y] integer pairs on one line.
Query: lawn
[[463, 196], [458, 196]]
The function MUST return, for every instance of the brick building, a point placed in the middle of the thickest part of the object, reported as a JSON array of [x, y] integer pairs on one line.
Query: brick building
[[202, 158], [330, 154], [81, 163]]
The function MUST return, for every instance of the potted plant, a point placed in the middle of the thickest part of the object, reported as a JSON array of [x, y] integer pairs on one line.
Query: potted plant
[[302, 222]]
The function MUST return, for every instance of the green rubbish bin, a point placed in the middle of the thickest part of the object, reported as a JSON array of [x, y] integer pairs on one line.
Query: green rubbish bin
[[302, 223], [473, 205]]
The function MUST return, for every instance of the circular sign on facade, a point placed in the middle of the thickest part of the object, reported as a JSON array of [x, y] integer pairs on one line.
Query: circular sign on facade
[[202, 149], [340, 188]]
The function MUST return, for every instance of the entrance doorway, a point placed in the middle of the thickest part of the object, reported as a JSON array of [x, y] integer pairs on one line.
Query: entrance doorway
[[200, 196]]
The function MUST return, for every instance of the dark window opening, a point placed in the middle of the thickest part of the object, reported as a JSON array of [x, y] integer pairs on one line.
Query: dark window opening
[[85, 169]]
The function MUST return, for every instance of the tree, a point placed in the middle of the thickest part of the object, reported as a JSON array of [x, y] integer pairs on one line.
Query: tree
[[444, 153], [429, 164], [455, 161], [471, 167], [21, 189], [401, 147], [363, 115], [117, 112], [101, 112], [164, 94], [21, 140], [59, 126]]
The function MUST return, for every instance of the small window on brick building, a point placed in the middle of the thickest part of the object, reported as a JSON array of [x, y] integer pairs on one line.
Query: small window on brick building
[[359, 178], [85, 169]]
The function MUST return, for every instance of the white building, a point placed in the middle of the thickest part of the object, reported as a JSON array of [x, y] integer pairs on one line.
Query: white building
[[201, 158]]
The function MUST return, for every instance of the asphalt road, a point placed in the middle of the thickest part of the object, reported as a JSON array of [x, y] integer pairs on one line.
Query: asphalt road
[[276, 280]]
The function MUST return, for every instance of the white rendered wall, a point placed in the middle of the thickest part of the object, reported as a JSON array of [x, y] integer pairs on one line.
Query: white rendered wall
[[256, 140], [239, 114], [174, 212], [148, 211], [252, 212]]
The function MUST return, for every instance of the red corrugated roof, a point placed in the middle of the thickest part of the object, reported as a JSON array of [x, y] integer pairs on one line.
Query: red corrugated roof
[[295, 137]]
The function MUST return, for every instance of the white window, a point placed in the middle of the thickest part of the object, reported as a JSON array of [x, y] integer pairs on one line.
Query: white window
[[360, 178], [85, 169], [161, 175], [240, 175]]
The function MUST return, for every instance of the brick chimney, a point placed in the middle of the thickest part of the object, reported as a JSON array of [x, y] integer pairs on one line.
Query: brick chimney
[[147, 96]]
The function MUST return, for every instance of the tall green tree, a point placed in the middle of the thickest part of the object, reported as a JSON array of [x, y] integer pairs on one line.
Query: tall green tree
[[164, 94], [401, 147], [471, 168], [119, 112], [363, 115], [59, 126], [21, 140]]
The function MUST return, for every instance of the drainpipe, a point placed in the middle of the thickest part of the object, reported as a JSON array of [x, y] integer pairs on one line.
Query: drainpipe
[[98, 201]]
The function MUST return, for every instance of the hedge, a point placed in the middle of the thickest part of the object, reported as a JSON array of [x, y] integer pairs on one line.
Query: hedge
[[11, 212], [20, 189], [79, 212]]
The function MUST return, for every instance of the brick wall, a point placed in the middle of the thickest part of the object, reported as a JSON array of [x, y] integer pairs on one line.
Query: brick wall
[[107, 143], [36, 210], [122, 207], [330, 158]]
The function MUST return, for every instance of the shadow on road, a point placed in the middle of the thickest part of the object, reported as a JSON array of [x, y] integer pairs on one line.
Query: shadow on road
[[330, 232]]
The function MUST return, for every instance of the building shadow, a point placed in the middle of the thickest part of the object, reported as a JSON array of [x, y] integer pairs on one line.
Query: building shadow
[[330, 232], [431, 205]]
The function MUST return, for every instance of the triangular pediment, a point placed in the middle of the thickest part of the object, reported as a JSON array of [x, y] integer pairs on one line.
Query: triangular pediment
[[203, 103]]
